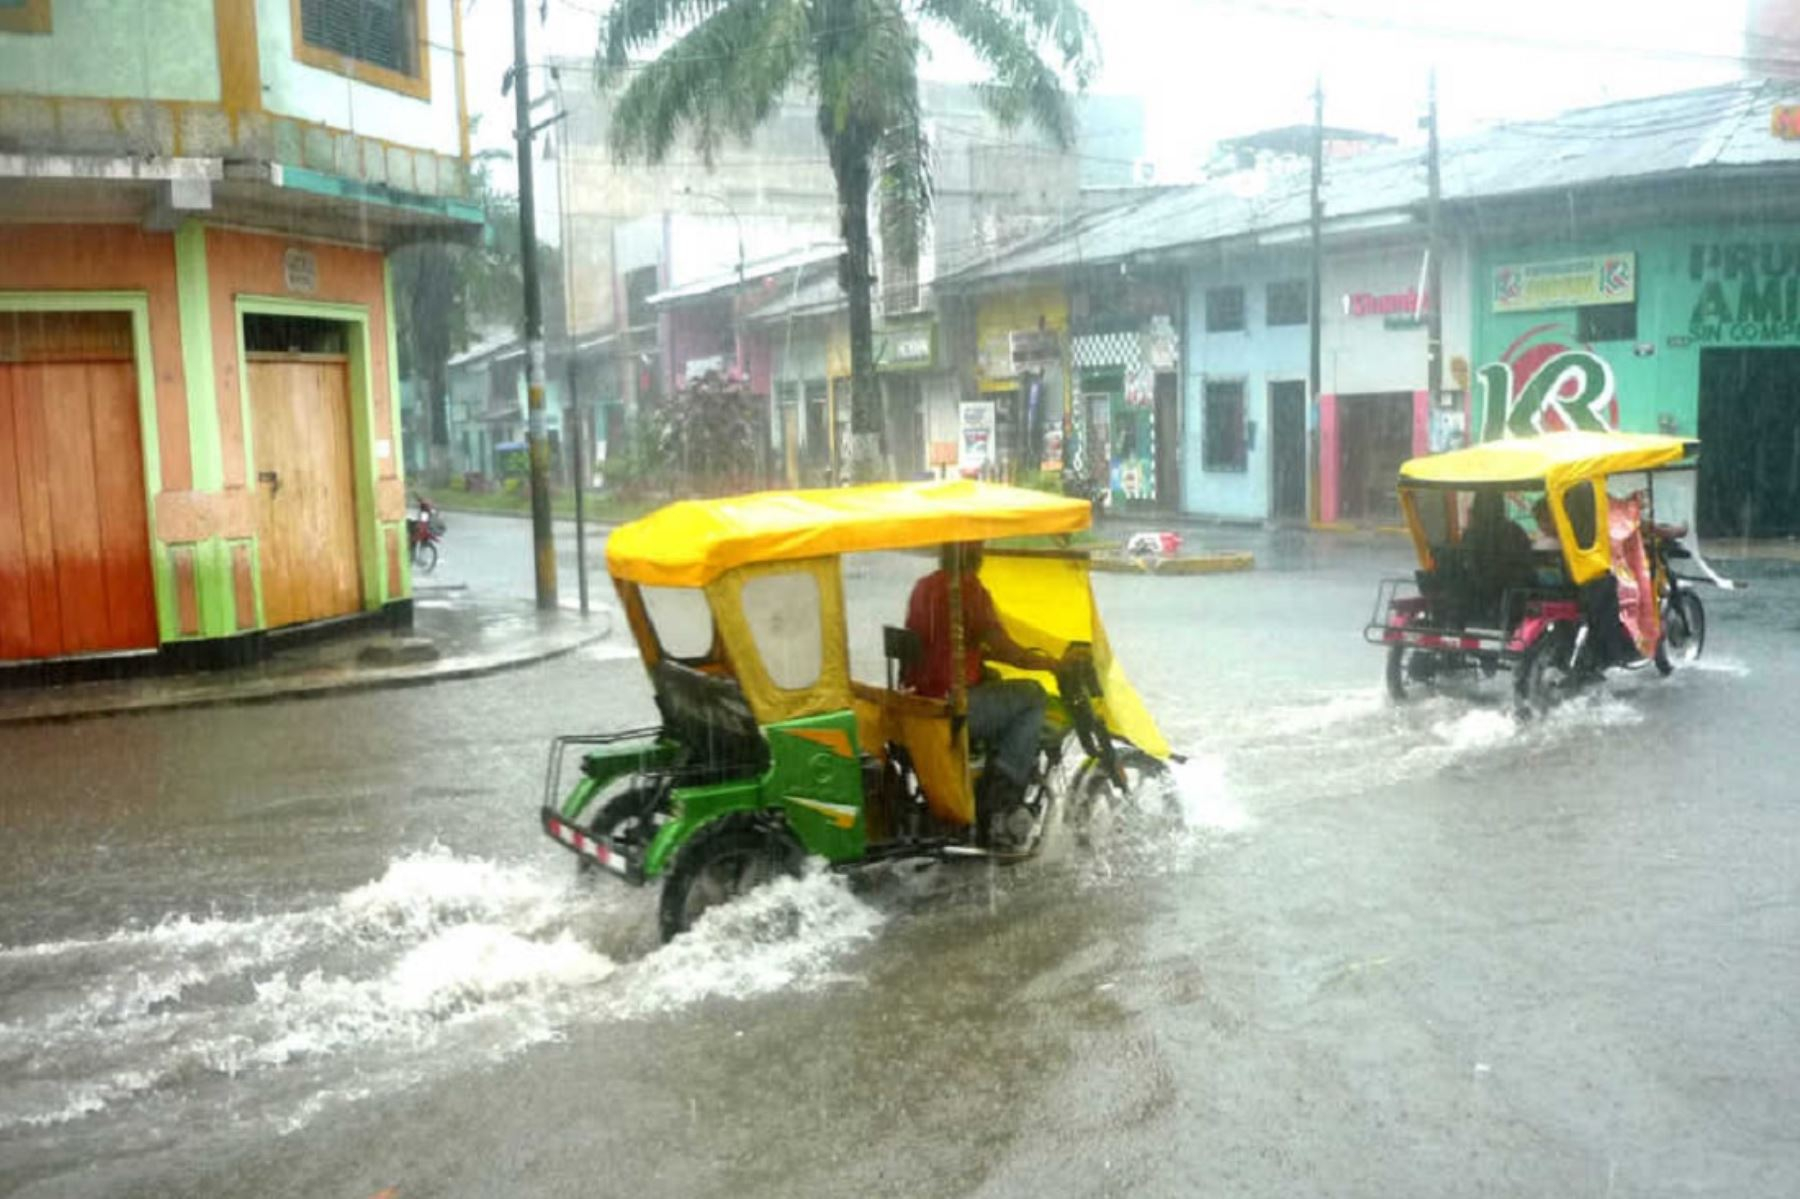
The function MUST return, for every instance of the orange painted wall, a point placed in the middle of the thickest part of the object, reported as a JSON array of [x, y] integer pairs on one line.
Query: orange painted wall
[[250, 264], [118, 258]]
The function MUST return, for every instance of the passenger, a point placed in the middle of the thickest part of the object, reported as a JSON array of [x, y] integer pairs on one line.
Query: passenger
[[1499, 555], [1006, 716]]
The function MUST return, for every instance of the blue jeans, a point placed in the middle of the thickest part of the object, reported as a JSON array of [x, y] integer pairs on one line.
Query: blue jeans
[[1008, 717]]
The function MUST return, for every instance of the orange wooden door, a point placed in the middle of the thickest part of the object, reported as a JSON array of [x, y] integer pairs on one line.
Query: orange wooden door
[[305, 487], [74, 535]]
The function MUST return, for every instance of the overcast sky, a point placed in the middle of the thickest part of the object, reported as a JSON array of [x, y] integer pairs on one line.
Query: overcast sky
[[1208, 69]]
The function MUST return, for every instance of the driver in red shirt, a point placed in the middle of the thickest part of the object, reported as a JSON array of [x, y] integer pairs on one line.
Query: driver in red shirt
[[1005, 715]]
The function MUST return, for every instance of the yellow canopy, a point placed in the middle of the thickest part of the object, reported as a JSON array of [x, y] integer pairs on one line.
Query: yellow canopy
[[688, 544], [1550, 460]]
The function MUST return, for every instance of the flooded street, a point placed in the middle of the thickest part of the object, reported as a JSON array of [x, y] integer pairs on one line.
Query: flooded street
[[322, 948]]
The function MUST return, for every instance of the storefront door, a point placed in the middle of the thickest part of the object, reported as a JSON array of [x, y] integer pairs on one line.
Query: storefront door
[[1374, 438], [1287, 450], [74, 542], [1167, 432], [1750, 439]]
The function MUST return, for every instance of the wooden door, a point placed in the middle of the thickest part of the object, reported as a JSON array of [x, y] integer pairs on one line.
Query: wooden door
[[1287, 450], [74, 534], [305, 487], [1168, 441]]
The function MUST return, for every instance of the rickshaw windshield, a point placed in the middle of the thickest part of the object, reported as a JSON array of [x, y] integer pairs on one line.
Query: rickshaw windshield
[[681, 620]]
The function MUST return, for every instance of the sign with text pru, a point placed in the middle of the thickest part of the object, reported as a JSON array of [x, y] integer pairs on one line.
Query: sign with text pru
[[1566, 283]]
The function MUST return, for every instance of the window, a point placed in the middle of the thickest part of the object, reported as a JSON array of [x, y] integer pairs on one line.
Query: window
[[1223, 446], [640, 285], [24, 16], [683, 622], [1224, 309], [376, 41], [1287, 302], [783, 614], [1607, 322]]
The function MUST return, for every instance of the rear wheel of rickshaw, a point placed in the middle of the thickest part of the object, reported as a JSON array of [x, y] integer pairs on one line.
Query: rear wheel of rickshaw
[[1410, 672], [625, 815], [1149, 799], [724, 862], [1544, 675], [1684, 632]]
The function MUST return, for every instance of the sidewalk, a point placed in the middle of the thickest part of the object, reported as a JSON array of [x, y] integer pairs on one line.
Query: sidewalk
[[453, 637]]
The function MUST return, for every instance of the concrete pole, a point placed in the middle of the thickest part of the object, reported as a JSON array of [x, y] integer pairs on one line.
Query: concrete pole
[[537, 439]]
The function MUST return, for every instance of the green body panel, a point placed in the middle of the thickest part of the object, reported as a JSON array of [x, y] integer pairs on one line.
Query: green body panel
[[819, 784], [696, 807], [615, 761]]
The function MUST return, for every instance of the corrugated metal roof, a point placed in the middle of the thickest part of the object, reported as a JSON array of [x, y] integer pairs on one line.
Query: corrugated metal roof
[[1723, 126]]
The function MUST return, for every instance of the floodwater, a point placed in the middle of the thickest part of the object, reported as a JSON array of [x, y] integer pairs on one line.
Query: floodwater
[[323, 949]]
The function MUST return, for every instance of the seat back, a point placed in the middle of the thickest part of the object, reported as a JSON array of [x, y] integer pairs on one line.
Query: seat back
[[903, 649], [708, 716]]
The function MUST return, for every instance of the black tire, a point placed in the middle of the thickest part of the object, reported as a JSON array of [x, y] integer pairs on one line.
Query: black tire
[[721, 863], [626, 814], [1544, 675], [1409, 672], [425, 556], [1151, 799], [1683, 634]]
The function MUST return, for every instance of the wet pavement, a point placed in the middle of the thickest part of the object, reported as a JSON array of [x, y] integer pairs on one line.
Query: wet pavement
[[323, 949]]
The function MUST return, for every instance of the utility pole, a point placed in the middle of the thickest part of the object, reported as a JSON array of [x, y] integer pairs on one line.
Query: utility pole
[[1314, 373], [1434, 256], [537, 440]]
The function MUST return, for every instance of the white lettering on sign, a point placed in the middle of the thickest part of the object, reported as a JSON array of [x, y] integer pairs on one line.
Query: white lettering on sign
[[300, 271]]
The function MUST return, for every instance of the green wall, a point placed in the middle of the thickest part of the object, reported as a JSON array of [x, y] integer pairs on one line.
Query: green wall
[[1698, 286]]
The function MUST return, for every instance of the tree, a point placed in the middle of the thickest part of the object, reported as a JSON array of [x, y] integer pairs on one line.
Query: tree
[[720, 68]]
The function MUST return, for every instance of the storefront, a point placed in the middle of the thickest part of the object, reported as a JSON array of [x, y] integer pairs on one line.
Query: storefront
[[204, 428], [1375, 409], [1693, 331], [1125, 435], [1016, 423], [906, 359]]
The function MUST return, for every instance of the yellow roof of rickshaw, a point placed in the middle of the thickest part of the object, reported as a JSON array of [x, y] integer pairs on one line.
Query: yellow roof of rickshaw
[[1547, 460], [690, 543]]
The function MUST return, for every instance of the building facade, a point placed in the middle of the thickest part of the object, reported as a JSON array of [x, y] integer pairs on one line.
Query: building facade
[[198, 387]]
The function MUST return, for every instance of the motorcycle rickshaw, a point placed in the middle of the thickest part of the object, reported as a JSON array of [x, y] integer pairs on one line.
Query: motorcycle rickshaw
[[1595, 590], [768, 751]]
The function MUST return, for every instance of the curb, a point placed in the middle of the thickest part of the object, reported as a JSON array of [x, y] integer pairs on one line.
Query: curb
[[270, 691], [1195, 564]]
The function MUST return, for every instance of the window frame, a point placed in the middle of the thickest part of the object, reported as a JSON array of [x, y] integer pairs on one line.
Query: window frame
[[1595, 312], [1208, 463], [31, 17], [417, 86], [1243, 315], [1269, 290]]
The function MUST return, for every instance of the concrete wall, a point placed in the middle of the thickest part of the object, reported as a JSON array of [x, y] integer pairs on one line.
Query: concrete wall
[[1369, 352], [1258, 355], [117, 49], [292, 88]]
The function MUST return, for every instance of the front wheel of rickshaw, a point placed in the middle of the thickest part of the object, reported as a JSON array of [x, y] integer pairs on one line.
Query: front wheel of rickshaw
[[723, 863], [1544, 675], [1684, 632], [1148, 800]]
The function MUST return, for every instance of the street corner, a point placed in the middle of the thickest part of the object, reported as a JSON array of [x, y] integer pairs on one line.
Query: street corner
[[1220, 562]]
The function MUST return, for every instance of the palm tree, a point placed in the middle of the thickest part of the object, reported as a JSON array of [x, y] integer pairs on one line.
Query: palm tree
[[719, 68]]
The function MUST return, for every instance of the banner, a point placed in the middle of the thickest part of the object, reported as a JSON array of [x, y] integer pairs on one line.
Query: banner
[[1566, 283]]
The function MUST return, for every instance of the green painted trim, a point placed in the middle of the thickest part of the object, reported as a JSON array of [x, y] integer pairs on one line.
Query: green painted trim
[[194, 299], [369, 536], [214, 588], [319, 183], [396, 419], [137, 305]]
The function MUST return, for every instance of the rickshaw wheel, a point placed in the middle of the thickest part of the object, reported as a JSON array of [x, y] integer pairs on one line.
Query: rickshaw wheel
[[627, 814], [1544, 675], [1687, 615], [1407, 670], [1151, 799], [722, 863]]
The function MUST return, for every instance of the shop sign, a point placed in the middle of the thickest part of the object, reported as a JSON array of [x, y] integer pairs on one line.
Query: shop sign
[[912, 348], [1402, 304], [1566, 283], [976, 440], [1546, 383], [696, 369], [1031, 347], [1749, 292], [300, 272], [1784, 122]]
